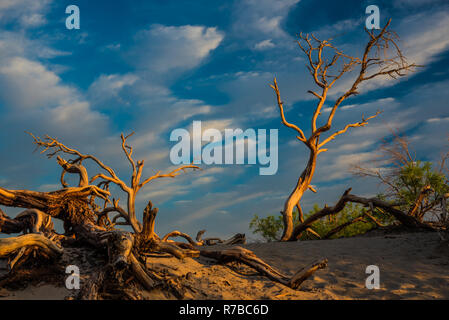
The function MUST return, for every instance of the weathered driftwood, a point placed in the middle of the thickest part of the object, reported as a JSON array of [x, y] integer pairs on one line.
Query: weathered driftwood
[[12, 244], [238, 238], [404, 218], [8, 225], [342, 226], [87, 222], [248, 258], [18, 245]]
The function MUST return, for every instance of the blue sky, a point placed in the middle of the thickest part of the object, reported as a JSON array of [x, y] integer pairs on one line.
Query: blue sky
[[154, 66]]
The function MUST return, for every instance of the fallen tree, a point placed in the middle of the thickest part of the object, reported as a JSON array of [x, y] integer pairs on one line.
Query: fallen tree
[[372, 203], [86, 222]]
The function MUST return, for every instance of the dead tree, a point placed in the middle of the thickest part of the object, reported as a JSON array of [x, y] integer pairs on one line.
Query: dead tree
[[90, 217], [326, 69]]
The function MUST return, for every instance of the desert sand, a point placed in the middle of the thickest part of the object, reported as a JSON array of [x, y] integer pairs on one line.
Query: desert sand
[[412, 266]]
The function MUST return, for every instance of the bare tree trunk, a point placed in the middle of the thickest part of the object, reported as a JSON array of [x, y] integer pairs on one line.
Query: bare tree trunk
[[295, 197], [132, 212], [325, 75]]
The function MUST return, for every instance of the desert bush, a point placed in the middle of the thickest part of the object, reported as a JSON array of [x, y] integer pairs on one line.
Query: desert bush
[[419, 188], [270, 227], [413, 177]]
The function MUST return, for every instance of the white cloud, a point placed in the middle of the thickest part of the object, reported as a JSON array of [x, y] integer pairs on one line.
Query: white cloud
[[29, 84], [164, 192], [113, 46], [262, 17], [112, 83], [203, 180], [167, 48], [17, 44], [379, 104], [265, 44], [29, 14], [107, 87], [438, 119], [29, 90], [163, 111], [424, 38], [220, 124], [339, 168], [356, 146], [222, 201], [33, 20]]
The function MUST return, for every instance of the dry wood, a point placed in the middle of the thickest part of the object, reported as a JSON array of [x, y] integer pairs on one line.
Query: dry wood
[[304, 273], [177, 233], [248, 258], [405, 219], [342, 226], [87, 222], [140, 273], [238, 238], [10, 245], [373, 63]]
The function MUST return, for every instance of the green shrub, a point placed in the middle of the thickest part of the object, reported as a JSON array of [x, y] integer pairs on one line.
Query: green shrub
[[270, 227], [412, 177]]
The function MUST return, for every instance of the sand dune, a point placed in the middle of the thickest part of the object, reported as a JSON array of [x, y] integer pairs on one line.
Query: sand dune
[[412, 266]]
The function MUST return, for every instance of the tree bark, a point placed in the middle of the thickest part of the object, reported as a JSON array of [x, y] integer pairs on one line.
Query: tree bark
[[406, 220], [296, 195], [342, 226], [247, 257], [12, 244]]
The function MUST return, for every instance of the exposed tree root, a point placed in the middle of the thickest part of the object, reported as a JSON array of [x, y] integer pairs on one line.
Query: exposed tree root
[[88, 223], [239, 238], [28, 221], [13, 244]]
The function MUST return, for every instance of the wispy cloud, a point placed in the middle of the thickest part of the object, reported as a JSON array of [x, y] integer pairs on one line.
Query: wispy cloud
[[29, 14], [175, 48], [220, 203]]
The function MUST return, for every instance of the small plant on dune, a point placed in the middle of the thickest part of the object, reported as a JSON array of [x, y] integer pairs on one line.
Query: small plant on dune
[[417, 187], [270, 227], [414, 177], [353, 220]]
